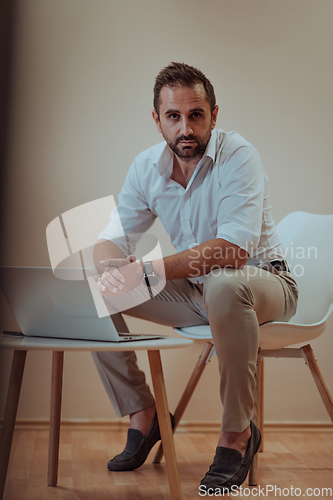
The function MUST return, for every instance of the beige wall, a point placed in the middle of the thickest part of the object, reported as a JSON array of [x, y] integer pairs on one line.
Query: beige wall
[[82, 93]]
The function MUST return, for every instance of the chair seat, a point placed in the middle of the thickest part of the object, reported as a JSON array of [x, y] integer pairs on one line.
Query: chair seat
[[278, 335], [195, 332], [275, 335]]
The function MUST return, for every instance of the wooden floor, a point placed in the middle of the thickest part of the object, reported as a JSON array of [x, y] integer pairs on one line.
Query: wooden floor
[[301, 459]]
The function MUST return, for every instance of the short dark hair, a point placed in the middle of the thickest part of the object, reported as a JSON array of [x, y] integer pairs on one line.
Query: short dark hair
[[182, 74]]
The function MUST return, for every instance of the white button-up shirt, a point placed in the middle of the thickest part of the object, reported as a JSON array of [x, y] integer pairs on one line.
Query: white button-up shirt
[[226, 197]]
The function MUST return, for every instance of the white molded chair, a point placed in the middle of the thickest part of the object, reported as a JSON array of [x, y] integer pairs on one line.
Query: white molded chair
[[308, 241]]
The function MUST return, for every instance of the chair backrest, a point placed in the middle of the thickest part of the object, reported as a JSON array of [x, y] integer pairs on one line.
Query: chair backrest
[[307, 240]]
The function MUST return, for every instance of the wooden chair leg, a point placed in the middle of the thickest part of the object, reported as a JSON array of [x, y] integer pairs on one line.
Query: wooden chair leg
[[165, 423], [55, 415], [257, 417], [188, 392], [318, 378], [13, 396], [261, 402]]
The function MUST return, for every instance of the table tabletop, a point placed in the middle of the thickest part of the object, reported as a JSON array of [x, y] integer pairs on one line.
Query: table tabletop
[[52, 344]]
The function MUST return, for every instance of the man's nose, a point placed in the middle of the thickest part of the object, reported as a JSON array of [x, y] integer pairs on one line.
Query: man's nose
[[186, 128]]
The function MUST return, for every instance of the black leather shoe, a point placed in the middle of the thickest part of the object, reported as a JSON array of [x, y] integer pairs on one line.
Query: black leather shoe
[[229, 469], [137, 447]]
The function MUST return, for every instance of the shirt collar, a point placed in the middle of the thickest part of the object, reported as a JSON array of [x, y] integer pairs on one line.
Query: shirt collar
[[211, 146], [164, 160]]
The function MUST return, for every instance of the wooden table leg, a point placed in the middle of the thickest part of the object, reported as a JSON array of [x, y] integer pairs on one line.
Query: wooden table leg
[[256, 418], [165, 423], [55, 414], [8, 425], [188, 392]]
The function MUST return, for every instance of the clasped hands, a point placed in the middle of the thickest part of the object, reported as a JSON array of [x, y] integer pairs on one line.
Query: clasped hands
[[114, 282]]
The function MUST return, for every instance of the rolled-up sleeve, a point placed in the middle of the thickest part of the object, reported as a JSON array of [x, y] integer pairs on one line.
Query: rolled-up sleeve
[[131, 218], [241, 195]]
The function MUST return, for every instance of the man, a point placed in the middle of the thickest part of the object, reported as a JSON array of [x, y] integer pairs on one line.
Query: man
[[210, 191]]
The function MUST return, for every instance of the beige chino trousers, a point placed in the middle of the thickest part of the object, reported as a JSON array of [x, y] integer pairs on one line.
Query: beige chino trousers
[[234, 303]]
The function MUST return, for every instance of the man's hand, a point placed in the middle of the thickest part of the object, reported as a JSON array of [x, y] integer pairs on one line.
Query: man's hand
[[114, 282]]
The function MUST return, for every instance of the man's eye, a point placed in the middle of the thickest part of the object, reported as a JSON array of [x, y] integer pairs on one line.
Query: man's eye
[[174, 116], [196, 115]]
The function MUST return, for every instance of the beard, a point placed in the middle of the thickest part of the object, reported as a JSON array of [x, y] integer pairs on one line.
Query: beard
[[191, 151]]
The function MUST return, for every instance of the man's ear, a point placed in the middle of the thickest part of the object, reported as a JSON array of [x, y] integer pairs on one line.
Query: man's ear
[[156, 120], [214, 116]]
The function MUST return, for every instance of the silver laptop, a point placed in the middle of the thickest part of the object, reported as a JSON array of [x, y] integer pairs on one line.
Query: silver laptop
[[46, 306]]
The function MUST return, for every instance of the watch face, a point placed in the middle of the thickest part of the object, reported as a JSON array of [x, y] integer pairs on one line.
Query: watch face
[[151, 280]]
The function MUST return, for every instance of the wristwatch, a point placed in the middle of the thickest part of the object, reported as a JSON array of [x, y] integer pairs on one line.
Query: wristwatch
[[149, 277]]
